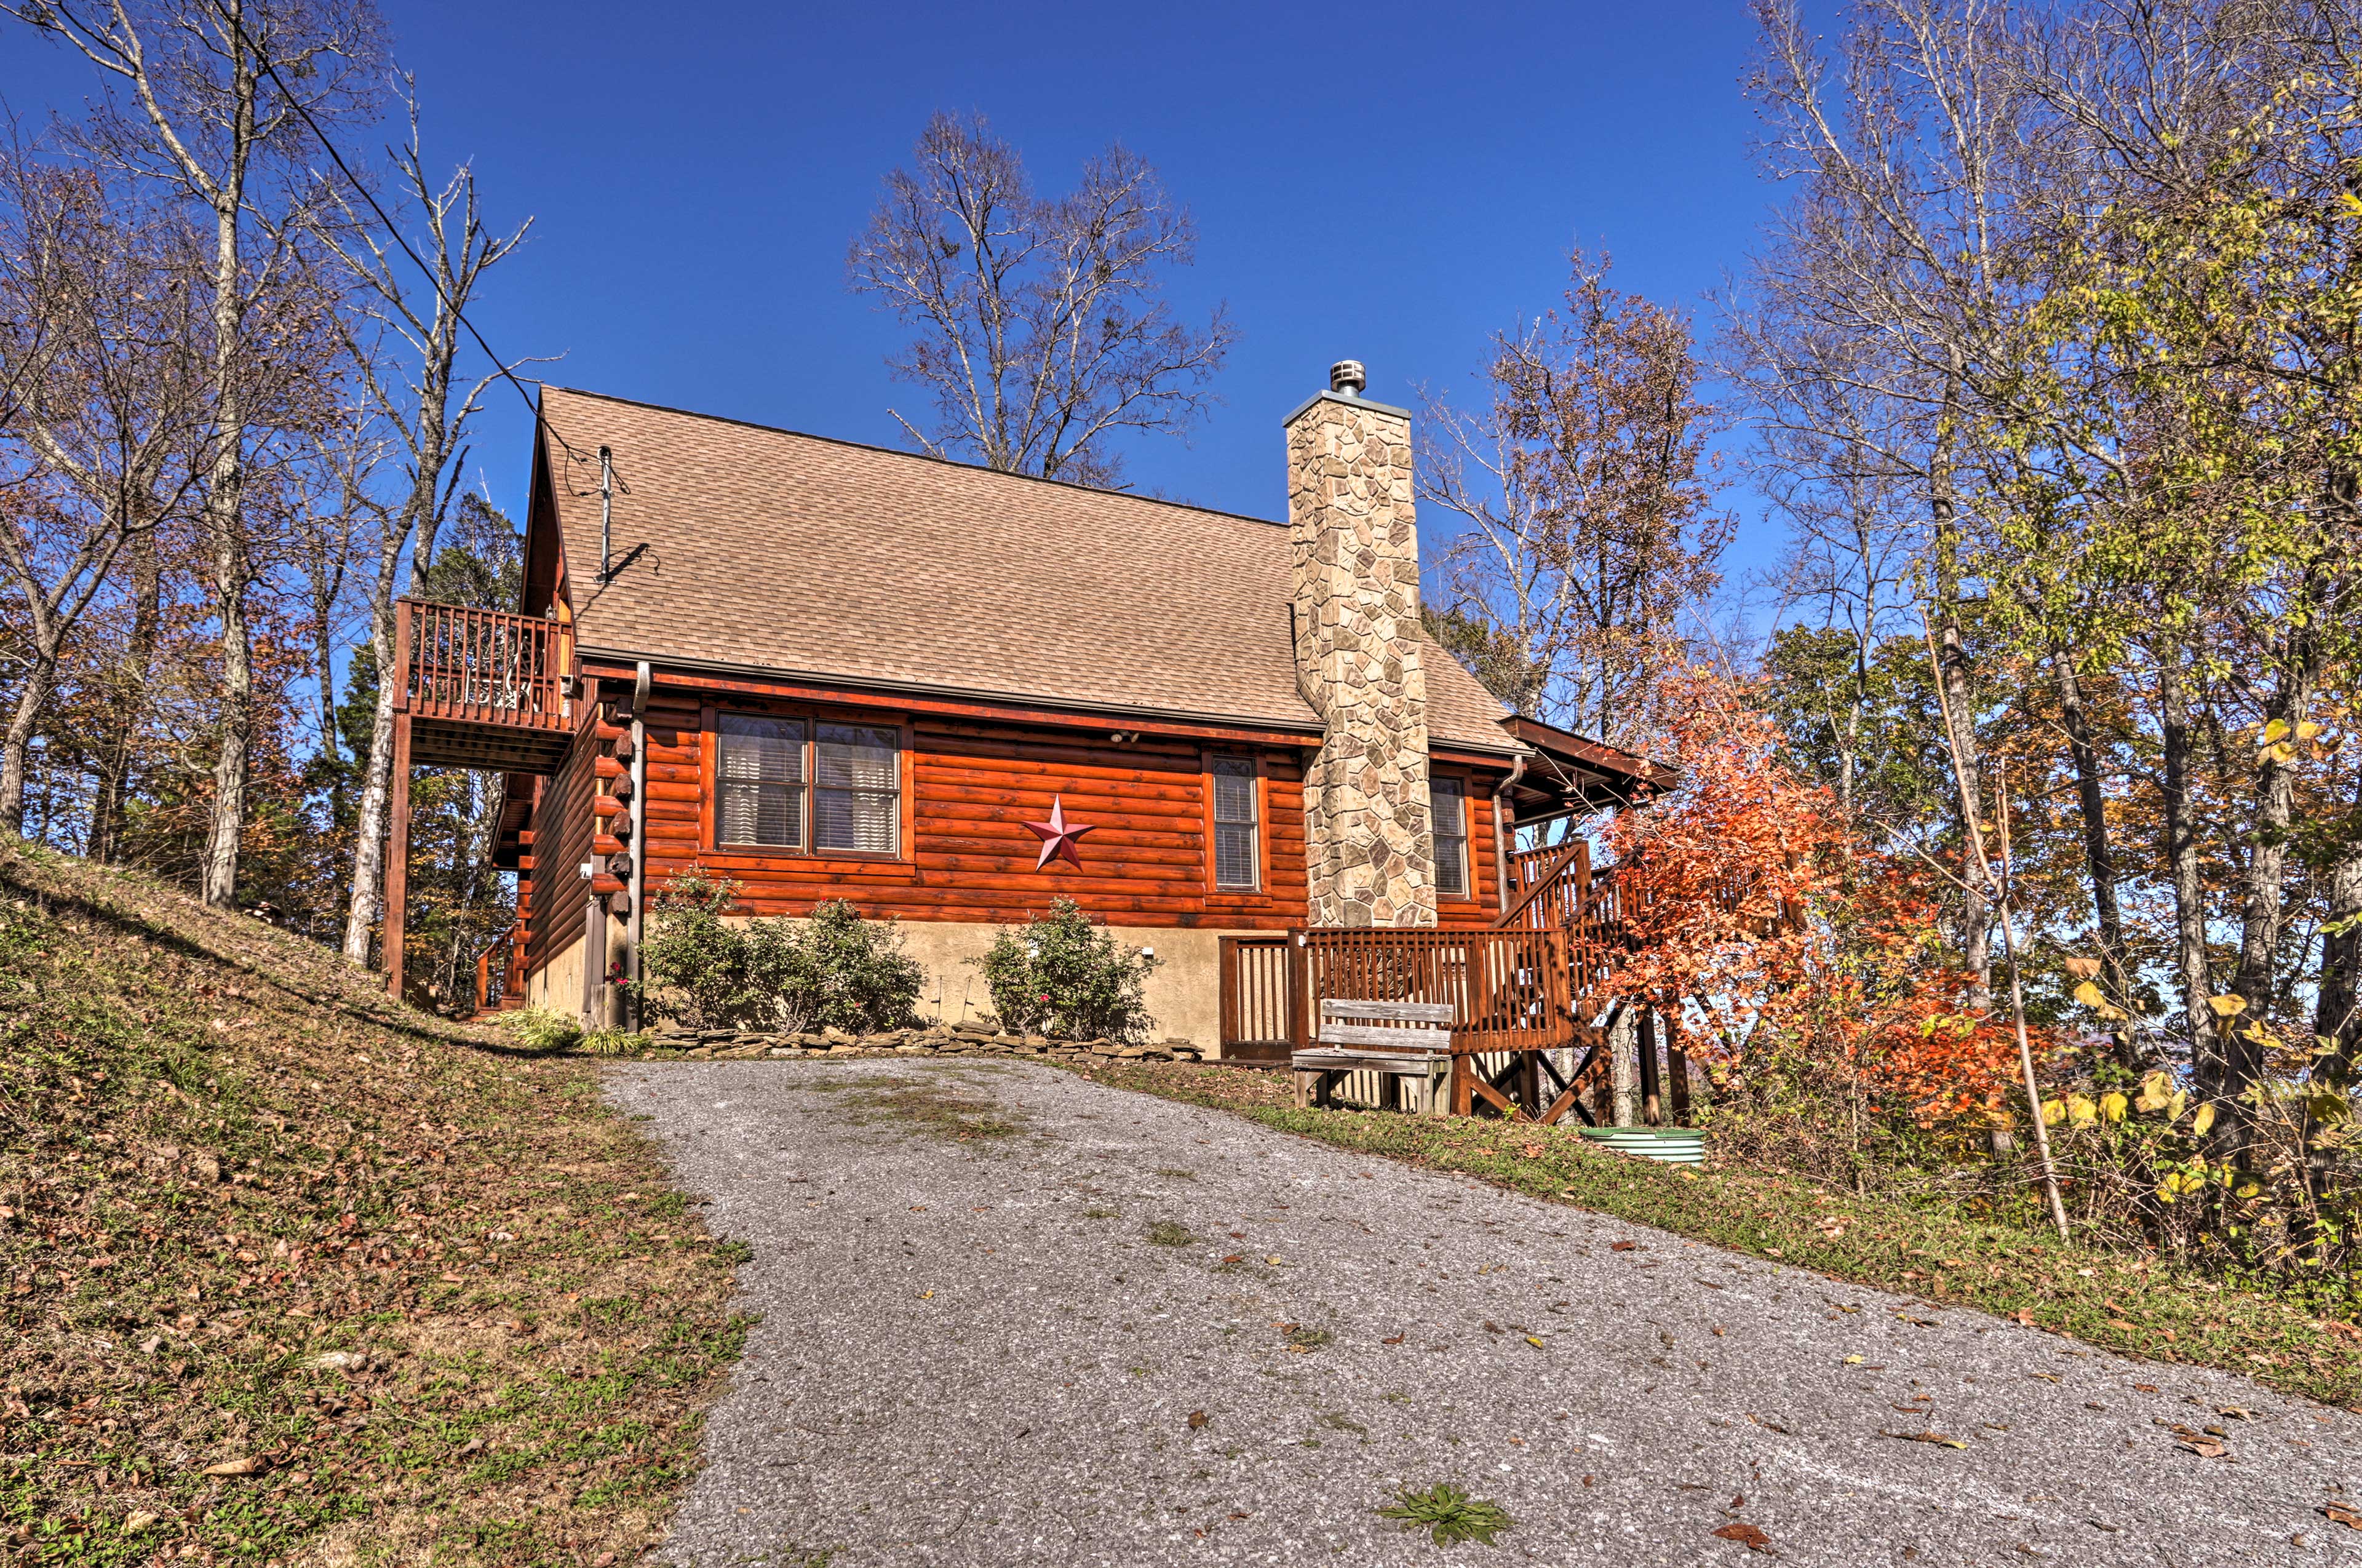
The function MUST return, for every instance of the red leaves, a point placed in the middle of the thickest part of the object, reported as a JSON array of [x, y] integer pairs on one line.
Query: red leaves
[[1748, 894], [1746, 1535]]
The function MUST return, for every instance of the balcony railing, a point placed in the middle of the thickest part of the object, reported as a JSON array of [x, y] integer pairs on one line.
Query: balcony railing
[[485, 667]]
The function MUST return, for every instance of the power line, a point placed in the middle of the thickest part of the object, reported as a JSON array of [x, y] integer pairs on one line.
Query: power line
[[392, 230]]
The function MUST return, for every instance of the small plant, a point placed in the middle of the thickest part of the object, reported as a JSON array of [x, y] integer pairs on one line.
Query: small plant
[[1170, 1234], [542, 1029], [1065, 977], [616, 1042], [1451, 1514]]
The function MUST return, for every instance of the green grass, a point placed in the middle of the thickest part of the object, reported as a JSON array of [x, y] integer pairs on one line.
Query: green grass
[[226, 1156], [2140, 1304], [1450, 1515], [930, 1105]]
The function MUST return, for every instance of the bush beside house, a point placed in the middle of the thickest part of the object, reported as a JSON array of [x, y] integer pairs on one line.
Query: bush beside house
[[1062, 976], [834, 971]]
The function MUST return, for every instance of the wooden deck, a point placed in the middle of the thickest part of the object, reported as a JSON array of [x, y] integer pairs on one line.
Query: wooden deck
[[1531, 999], [479, 689]]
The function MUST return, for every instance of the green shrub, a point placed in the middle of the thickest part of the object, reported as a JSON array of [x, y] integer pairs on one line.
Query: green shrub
[[1061, 975], [852, 973], [836, 969], [541, 1028]]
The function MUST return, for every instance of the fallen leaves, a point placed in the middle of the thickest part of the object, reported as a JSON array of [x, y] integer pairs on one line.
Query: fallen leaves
[[1746, 1535], [1938, 1439], [251, 1464], [2340, 1513], [1622, 1246], [1198, 1419]]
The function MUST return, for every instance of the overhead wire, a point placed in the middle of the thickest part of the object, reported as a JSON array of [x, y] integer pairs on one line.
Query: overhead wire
[[392, 230]]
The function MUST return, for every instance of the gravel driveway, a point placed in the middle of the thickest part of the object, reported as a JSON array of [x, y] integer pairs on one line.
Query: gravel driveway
[[1011, 1317]]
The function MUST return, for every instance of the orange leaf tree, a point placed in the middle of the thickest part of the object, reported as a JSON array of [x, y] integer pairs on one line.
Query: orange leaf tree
[[1787, 942]]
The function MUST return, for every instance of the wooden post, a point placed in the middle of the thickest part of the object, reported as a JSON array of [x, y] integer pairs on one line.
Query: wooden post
[[1677, 1067], [1652, 1098], [1299, 994], [397, 846]]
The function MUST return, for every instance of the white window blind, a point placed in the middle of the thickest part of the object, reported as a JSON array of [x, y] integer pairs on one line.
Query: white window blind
[[1236, 848], [857, 794], [760, 778], [1449, 805]]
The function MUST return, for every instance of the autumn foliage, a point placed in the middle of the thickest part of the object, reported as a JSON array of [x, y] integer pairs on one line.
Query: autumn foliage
[[1789, 941]]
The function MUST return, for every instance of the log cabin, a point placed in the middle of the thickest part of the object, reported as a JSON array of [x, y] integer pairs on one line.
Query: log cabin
[[823, 670]]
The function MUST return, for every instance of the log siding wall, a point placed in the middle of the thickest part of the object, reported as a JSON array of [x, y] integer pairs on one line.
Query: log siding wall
[[969, 786]]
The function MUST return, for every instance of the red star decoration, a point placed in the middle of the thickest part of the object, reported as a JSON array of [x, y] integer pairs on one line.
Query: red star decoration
[[1058, 836]]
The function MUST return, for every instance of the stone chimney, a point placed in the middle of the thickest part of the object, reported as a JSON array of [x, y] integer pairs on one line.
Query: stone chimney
[[1369, 842]]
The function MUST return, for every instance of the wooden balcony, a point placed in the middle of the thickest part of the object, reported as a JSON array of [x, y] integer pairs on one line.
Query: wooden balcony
[[484, 688]]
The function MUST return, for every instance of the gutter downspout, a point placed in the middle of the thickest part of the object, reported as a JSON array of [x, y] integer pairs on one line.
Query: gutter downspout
[[639, 838], [1501, 831]]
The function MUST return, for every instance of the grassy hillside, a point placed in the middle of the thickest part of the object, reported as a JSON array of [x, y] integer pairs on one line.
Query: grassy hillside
[[2281, 1334], [290, 1272]]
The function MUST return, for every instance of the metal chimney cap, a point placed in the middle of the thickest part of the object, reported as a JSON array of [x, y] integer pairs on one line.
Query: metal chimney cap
[[1347, 378]]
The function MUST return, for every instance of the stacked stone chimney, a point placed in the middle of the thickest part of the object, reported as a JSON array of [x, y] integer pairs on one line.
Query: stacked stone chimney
[[1369, 841]]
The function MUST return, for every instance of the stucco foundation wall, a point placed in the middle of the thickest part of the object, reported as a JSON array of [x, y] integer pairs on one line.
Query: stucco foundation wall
[[1183, 993], [557, 985]]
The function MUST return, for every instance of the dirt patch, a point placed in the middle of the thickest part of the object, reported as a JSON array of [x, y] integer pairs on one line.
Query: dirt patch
[[924, 1106]]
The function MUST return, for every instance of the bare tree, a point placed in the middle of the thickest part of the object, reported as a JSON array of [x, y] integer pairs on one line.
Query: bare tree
[[1592, 534], [110, 404], [431, 410], [220, 96], [1037, 324]]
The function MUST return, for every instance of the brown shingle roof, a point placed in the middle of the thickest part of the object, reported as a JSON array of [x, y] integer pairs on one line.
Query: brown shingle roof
[[770, 550]]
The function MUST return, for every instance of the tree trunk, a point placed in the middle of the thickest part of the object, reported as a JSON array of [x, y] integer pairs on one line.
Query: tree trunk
[[2263, 893], [2099, 852], [2188, 883], [225, 836], [122, 737], [2337, 1007], [1952, 671], [377, 783], [32, 694]]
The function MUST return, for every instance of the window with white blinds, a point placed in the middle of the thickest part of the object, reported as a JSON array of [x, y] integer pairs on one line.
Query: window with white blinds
[[857, 790], [1447, 802], [759, 778], [1237, 831]]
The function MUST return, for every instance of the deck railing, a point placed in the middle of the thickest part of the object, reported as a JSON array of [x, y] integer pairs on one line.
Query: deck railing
[[499, 971], [482, 666], [1508, 990]]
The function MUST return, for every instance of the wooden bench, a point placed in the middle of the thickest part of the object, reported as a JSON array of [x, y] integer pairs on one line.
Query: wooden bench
[[1403, 1043]]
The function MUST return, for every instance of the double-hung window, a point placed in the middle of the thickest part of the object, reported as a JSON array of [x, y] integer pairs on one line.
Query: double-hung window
[[857, 793], [1448, 803], [1237, 830], [802, 784], [759, 778]]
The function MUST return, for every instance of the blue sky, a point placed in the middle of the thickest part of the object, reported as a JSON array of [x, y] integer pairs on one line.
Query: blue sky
[[1390, 182]]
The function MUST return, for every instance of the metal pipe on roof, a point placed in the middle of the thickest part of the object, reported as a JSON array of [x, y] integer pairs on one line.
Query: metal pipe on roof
[[606, 512]]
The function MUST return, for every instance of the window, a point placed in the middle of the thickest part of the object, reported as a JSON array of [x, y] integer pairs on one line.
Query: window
[[1237, 832], [857, 793], [760, 776], [797, 784], [1446, 801]]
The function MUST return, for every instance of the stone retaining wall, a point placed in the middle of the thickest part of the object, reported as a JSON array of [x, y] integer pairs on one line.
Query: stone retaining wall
[[938, 1041]]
